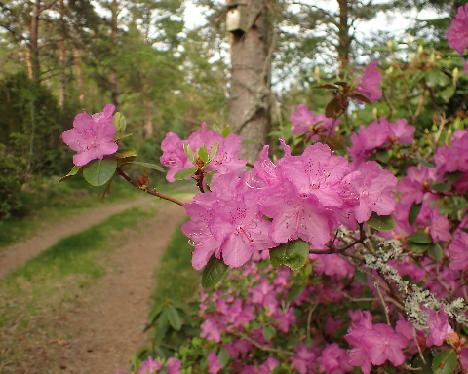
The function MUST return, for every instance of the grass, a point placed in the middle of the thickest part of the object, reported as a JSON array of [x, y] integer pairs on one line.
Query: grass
[[48, 201]]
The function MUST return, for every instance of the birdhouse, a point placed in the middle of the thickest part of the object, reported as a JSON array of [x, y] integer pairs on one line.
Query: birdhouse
[[236, 17]]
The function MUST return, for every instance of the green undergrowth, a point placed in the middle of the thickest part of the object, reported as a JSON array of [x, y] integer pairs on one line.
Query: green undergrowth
[[73, 263]]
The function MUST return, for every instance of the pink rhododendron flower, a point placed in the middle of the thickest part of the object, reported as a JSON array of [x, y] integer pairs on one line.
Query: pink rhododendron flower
[[334, 360], [457, 33], [379, 135], [376, 189], [303, 359], [439, 327], [414, 186], [150, 366], [458, 251], [369, 84], [173, 366], [92, 136], [225, 160], [373, 344], [210, 330], [454, 157], [214, 366], [311, 124], [332, 265]]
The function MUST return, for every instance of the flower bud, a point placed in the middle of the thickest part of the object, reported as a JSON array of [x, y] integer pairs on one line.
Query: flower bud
[[455, 76]]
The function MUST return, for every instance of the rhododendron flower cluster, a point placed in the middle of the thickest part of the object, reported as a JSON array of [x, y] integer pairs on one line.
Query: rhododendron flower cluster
[[92, 136], [457, 33], [226, 158], [312, 125], [379, 135]]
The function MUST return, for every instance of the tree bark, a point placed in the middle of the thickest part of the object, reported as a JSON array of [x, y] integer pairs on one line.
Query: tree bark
[[27, 58], [34, 41], [114, 34], [250, 86], [148, 110], [78, 74], [343, 36], [62, 56]]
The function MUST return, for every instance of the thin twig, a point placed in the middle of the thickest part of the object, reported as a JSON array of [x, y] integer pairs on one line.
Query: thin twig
[[262, 347], [147, 189], [384, 305]]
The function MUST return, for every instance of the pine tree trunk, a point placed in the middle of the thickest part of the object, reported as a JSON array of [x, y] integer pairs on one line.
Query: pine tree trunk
[[61, 45], [78, 74], [251, 50], [34, 41], [343, 36], [27, 60], [114, 31], [148, 110]]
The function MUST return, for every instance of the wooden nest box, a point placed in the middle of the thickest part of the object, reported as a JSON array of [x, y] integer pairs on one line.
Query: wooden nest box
[[236, 17]]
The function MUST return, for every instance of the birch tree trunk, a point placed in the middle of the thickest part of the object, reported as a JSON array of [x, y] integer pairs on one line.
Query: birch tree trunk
[[250, 88]]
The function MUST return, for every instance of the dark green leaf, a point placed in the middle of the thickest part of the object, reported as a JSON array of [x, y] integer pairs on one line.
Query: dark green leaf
[[214, 271], [441, 187], [174, 317], [223, 357], [419, 248], [444, 362], [413, 214], [155, 313], [184, 173], [99, 172], [73, 171], [269, 332], [420, 237], [147, 165], [436, 252], [293, 255], [381, 223]]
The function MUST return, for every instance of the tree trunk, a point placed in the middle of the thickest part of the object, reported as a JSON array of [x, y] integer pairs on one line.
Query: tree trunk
[[251, 50], [114, 31], [343, 36], [148, 110], [78, 74], [27, 58], [34, 41], [61, 45]]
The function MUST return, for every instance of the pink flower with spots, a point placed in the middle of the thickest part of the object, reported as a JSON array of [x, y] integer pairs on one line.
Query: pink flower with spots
[[439, 327], [313, 125], [369, 84], [457, 33], [376, 188], [92, 136]]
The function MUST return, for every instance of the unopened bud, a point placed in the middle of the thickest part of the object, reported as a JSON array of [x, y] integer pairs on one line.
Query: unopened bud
[[375, 113], [453, 339], [455, 76], [317, 72]]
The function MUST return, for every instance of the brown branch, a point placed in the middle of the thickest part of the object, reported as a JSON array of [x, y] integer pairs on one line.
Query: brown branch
[[147, 189]]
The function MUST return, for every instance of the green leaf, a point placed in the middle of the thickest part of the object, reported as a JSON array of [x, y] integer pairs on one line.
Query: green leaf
[[188, 151], [420, 237], [173, 317], [295, 291], [213, 273], [381, 223], [269, 332], [203, 154], [72, 172], [99, 172], [419, 248], [413, 214], [436, 252], [441, 187], [155, 313], [444, 362], [213, 151], [147, 165], [223, 357], [226, 131], [184, 173], [293, 255], [126, 154], [120, 122]]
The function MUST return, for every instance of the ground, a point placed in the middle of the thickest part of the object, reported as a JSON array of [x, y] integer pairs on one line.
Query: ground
[[83, 322]]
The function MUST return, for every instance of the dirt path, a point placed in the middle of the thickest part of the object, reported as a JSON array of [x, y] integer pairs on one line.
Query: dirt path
[[105, 330], [17, 254]]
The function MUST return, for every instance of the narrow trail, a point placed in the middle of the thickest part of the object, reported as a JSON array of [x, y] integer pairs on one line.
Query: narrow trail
[[106, 328], [15, 255]]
